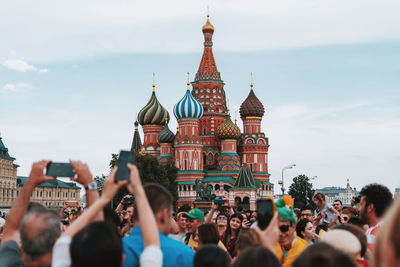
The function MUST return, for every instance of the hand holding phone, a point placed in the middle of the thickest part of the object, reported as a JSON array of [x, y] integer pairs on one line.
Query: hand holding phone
[[124, 158], [265, 212]]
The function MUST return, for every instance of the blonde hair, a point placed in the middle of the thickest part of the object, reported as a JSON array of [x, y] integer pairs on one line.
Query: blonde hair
[[388, 236]]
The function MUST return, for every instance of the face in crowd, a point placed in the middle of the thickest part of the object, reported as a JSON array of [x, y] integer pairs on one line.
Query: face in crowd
[[192, 224], [235, 223], [182, 222], [286, 234], [337, 205], [222, 220], [307, 214]]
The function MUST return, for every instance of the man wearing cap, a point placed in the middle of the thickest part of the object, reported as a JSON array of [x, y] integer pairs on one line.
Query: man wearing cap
[[290, 246], [195, 218]]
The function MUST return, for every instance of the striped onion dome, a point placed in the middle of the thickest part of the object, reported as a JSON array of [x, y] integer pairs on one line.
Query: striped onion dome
[[251, 107], [228, 130], [188, 107], [166, 135], [153, 112]]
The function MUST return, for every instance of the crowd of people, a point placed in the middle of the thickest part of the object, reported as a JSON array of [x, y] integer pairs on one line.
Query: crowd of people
[[145, 230]]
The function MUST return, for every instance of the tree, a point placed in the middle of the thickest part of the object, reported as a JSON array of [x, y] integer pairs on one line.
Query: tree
[[301, 190], [151, 171]]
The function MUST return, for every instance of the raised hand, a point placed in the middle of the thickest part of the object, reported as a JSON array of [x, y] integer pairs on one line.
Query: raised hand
[[84, 177], [111, 187], [37, 175]]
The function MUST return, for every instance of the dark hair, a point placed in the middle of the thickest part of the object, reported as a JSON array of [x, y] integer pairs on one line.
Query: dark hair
[[338, 200], [208, 234], [356, 221], [159, 197], [307, 207], [98, 244], [379, 195], [301, 226], [358, 232], [111, 216], [256, 256], [39, 231], [211, 256], [36, 207], [322, 254]]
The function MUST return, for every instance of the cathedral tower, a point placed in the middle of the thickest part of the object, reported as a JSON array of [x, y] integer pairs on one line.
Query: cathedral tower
[[152, 117], [253, 147], [188, 145], [208, 89]]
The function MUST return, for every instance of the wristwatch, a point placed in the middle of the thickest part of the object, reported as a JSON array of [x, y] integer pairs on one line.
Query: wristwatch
[[91, 186]]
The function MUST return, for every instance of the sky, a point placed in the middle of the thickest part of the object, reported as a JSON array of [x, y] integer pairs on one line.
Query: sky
[[74, 74]]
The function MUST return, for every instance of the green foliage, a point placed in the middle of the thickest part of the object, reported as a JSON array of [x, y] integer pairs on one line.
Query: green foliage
[[151, 171], [100, 182], [302, 191]]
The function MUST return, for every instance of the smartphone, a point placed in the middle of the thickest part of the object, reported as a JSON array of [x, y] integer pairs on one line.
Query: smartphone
[[60, 170], [124, 158], [265, 211], [219, 201]]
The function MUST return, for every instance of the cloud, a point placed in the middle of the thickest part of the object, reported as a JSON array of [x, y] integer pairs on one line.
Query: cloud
[[21, 66], [18, 65], [16, 87]]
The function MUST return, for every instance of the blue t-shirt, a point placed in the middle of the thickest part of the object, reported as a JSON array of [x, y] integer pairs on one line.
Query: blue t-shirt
[[174, 253]]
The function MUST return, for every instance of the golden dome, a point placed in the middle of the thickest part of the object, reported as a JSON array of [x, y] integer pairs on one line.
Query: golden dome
[[208, 27]]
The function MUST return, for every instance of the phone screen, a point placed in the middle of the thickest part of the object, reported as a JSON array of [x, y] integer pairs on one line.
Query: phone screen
[[124, 158], [60, 170], [265, 211]]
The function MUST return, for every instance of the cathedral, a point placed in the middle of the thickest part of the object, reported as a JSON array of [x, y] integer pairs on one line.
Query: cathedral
[[208, 146]]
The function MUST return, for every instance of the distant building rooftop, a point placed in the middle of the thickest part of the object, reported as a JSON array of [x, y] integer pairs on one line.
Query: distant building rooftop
[[21, 180]]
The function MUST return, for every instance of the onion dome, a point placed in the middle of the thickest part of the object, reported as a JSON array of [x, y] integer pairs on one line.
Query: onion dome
[[208, 27], [252, 106], [228, 130], [166, 135], [153, 112], [188, 107]]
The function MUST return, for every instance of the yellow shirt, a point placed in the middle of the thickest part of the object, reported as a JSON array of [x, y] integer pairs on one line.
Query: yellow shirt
[[288, 257], [194, 244]]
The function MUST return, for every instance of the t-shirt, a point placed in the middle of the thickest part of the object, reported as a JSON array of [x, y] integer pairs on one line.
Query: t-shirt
[[174, 252], [288, 257], [371, 234], [9, 255], [327, 214]]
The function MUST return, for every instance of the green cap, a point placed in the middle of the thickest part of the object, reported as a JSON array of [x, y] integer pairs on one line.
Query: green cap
[[195, 214]]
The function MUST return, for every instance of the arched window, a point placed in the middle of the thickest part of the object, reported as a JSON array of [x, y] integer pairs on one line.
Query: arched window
[[184, 188], [217, 186]]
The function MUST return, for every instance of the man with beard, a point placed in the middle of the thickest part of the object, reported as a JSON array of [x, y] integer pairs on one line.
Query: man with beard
[[375, 199]]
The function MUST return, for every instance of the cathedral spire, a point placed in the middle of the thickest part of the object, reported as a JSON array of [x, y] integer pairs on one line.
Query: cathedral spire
[[208, 69], [137, 142]]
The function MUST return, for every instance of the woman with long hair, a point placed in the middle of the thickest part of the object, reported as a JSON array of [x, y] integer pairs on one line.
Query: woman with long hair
[[232, 232]]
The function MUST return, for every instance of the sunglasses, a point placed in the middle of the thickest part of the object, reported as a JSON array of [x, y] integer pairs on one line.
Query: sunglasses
[[284, 228]]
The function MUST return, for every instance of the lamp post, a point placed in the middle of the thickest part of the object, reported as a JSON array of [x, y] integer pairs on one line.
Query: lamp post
[[281, 182]]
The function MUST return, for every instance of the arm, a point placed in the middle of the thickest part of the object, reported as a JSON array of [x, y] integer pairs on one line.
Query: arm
[[146, 217], [84, 177], [211, 213], [270, 236], [18, 210], [109, 191]]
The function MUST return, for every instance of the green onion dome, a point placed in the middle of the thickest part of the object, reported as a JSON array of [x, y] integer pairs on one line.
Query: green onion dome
[[166, 135], [228, 130], [153, 112], [252, 106]]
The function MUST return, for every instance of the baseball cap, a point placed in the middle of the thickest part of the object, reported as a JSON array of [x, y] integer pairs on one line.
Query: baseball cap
[[195, 214]]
